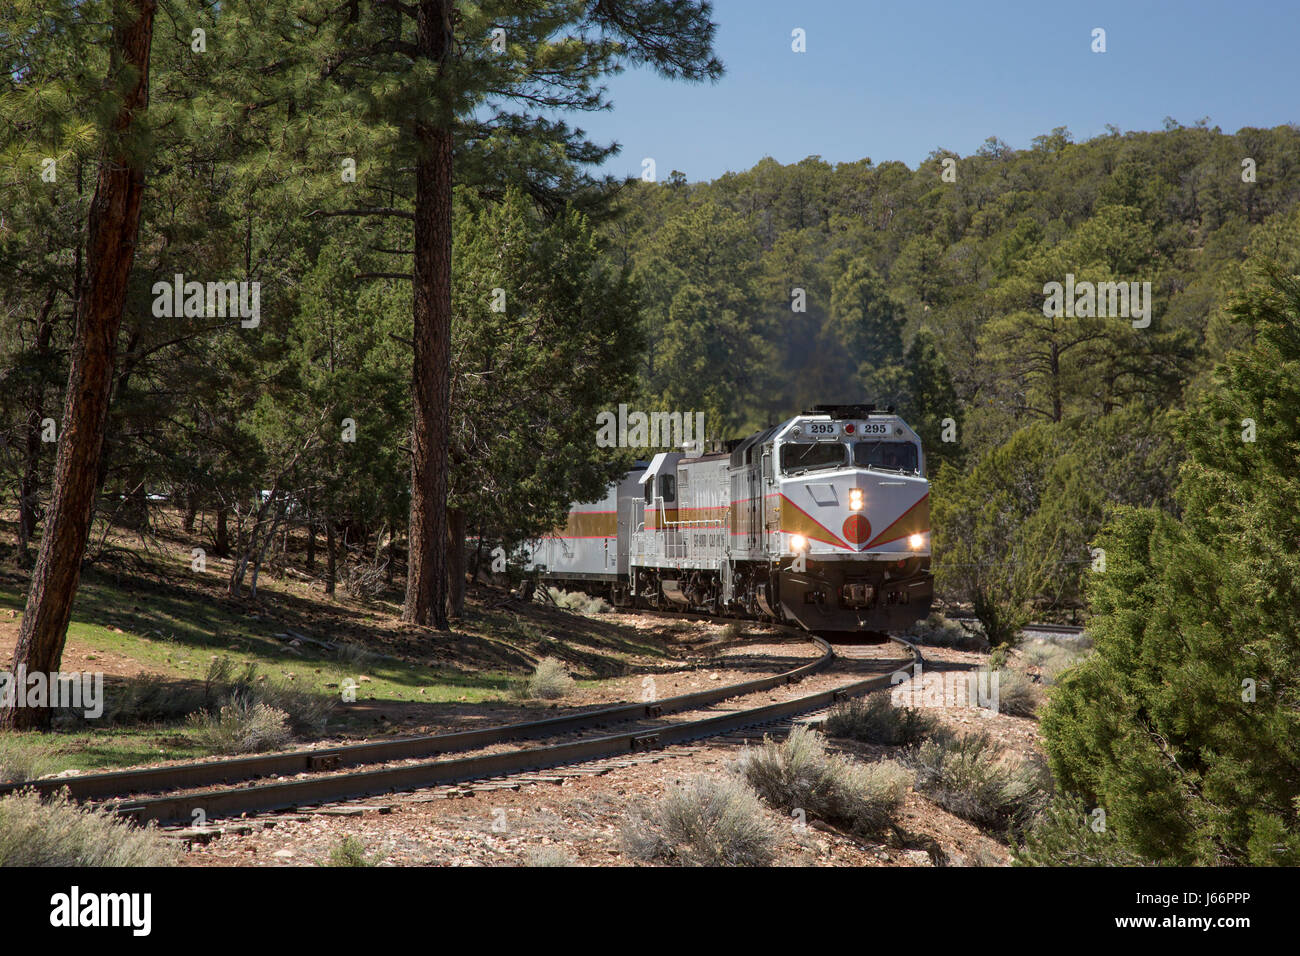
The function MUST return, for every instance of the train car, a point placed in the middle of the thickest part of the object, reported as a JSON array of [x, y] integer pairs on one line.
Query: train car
[[822, 521]]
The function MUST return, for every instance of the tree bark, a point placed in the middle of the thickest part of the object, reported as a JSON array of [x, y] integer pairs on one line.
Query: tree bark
[[221, 537], [112, 229], [331, 566], [426, 582]]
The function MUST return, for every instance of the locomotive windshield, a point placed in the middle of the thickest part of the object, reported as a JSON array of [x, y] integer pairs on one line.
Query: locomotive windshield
[[809, 456], [892, 455]]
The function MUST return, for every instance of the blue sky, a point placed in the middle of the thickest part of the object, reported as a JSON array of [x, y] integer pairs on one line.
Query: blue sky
[[896, 80]]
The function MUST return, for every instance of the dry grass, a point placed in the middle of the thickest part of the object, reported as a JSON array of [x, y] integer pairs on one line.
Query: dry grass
[[28, 760], [61, 833], [545, 856]]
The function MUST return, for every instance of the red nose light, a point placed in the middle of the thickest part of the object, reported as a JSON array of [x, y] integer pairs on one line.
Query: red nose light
[[848, 429]]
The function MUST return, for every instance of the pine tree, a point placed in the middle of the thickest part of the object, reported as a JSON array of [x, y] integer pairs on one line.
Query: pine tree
[[1184, 725], [110, 250]]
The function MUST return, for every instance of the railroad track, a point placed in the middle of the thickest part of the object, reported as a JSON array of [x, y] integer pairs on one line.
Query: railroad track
[[167, 795]]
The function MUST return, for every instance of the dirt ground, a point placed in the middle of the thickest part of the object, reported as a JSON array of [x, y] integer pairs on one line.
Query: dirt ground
[[575, 814]]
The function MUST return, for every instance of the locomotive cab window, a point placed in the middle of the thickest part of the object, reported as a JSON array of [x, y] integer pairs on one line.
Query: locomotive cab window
[[807, 456], [890, 455], [668, 487]]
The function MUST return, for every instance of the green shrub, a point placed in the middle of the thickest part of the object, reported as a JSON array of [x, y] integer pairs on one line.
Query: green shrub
[[798, 773], [58, 832], [350, 851], [711, 821], [1065, 833]]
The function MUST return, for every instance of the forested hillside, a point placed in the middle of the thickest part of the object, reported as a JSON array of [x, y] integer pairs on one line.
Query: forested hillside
[[772, 289], [748, 298]]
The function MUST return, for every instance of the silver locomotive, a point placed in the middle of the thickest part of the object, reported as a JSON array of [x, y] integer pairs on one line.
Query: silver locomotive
[[822, 521]]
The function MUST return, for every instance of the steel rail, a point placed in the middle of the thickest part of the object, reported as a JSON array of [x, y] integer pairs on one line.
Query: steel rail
[[101, 786], [288, 795]]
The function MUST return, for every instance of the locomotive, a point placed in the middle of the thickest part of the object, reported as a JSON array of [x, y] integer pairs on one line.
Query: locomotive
[[822, 521]]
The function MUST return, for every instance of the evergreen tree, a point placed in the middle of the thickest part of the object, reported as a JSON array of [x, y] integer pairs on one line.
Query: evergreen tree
[[1183, 725]]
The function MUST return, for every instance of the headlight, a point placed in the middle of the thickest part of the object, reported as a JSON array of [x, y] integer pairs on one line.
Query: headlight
[[916, 542], [798, 542], [855, 499]]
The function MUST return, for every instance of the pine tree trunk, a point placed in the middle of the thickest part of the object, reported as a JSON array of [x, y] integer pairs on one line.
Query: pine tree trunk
[[455, 562], [191, 511], [426, 582], [112, 229], [330, 567], [221, 541], [311, 546]]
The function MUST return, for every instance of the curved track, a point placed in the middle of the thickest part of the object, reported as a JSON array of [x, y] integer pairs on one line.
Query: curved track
[[128, 791]]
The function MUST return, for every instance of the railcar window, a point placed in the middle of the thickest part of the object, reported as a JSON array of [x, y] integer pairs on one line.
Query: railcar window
[[808, 456], [668, 487], [892, 455]]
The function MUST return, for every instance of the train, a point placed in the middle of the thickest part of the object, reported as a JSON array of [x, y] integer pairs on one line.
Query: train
[[822, 522]]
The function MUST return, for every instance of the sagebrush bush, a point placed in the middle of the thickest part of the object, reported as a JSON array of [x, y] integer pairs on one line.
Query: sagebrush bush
[[1017, 693], [307, 712], [25, 758], [972, 777], [580, 602], [710, 821], [58, 832], [241, 726], [937, 631], [876, 720], [550, 680], [1066, 833], [798, 773]]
